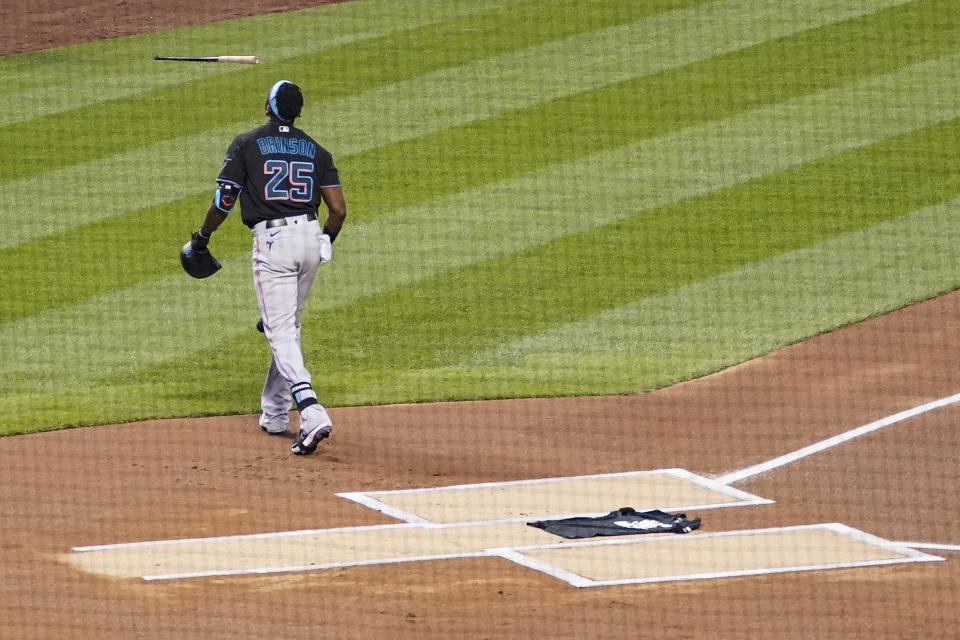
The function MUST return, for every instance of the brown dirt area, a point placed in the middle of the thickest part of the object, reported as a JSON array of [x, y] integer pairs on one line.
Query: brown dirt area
[[56, 23], [222, 476]]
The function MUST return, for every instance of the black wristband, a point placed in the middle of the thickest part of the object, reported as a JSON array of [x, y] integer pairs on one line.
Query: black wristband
[[330, 234], [199, 240]]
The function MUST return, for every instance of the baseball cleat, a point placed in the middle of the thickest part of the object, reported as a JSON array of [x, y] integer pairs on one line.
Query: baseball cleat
[[271, 432], [274, 425], [307, 441]]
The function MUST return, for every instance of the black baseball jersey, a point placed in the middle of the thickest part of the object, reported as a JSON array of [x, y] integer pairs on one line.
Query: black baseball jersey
[[279, 171]]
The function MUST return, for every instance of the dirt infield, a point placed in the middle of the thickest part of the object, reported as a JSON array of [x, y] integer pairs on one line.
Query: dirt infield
[[189, 479], [220, 477], [56, 23]]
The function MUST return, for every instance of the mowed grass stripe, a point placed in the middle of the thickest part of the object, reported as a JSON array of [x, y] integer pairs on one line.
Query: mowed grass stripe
[[625, 55], [443, 320], [367, 345], [107, 182], [60, 270], [916, 86], [590, 122], [510, 144], [682, 334], [123, 124], [141, 255], [653, 45], [96, 72], [540, 206], [722, 320], [175, 314]]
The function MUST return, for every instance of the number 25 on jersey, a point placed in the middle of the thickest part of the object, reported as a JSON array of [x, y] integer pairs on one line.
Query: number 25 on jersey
[[288, 180]]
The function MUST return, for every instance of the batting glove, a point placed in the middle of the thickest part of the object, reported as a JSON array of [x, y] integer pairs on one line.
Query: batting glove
[[326, 248]]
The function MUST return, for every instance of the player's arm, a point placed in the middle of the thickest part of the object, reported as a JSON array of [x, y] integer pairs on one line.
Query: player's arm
[[336, 210], [212, 222], [229, 185], [224, 200]]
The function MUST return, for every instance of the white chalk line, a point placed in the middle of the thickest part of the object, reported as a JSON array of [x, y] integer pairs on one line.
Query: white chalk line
[[516, 555], [412, 521], [763, 467], [372, 499], [226, 573], [904, 551], [930, 545]]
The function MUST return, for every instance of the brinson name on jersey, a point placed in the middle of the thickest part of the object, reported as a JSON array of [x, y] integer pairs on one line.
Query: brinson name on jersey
[[289, 146]]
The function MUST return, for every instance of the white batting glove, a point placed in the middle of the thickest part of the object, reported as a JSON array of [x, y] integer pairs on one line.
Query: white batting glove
[[326, 248]]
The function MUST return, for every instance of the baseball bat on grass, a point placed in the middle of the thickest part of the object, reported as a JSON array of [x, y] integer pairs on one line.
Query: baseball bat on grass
[[234, 59]]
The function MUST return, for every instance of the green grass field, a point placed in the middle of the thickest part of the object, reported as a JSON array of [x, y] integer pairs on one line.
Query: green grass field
[[546, 197]]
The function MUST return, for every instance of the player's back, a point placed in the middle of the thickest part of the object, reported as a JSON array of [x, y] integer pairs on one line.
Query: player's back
[[282, 168]]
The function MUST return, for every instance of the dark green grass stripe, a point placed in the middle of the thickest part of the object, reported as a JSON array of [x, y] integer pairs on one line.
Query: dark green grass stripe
[[585, 124], [64, 269], [484, 152], [451, 317], [96, 131]]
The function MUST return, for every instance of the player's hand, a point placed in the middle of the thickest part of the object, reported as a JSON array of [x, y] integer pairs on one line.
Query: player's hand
[[326, 248], [199, 241]]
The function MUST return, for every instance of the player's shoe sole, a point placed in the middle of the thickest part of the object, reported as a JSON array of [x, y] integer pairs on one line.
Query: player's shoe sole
[[306, 442]]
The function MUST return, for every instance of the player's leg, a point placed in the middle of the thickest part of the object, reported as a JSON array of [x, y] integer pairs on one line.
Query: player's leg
[[275, 401], [275, 275], [315, 423], [285, 261]]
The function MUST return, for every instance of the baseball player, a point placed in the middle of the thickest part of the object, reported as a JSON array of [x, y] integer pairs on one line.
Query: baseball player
[[280, 175]]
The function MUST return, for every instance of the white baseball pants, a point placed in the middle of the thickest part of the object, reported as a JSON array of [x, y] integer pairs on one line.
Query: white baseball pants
[[285, 261]]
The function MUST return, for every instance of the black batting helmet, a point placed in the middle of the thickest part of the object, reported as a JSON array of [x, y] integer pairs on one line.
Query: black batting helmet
[[285, 100], [198, 264]]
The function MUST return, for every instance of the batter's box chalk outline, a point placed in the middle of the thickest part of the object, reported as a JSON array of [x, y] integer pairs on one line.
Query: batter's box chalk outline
[[379, 500], [520, 555]]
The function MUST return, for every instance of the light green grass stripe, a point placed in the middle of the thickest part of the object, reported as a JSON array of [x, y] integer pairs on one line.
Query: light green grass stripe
[[578, 126], [431, 103], [172, 317], [582, 63], [731, 317], [33, 84], [38, 79], [207, 103]]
